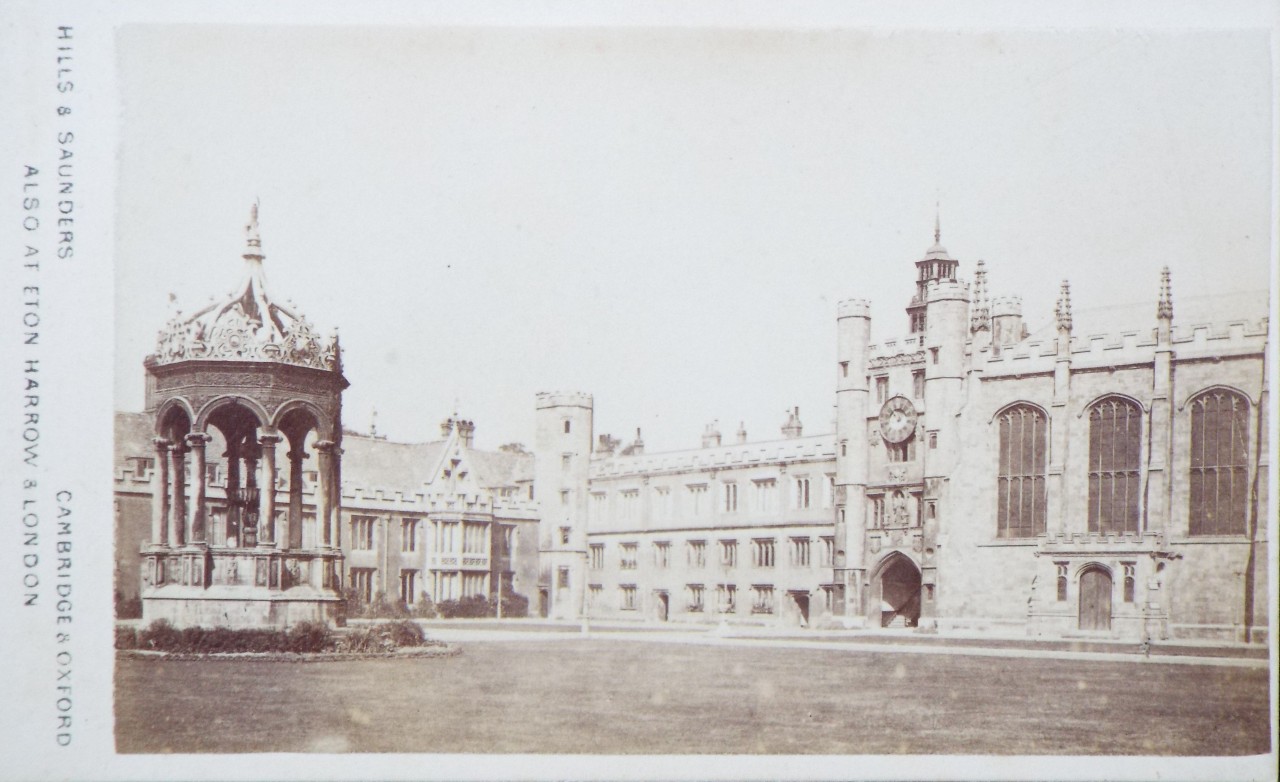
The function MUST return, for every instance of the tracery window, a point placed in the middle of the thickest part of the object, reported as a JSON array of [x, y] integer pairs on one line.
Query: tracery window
[[1219, 463], [1115, 458], [1020, 500]]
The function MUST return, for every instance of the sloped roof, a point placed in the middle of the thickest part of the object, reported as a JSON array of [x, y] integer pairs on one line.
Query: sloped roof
[[499, 468], [369, 462]]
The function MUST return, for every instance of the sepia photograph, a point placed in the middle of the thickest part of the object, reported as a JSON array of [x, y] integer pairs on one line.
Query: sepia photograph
[[676, 391], [428, 393]]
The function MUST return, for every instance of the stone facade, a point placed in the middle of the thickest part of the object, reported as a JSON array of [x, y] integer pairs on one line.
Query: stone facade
[[1102, 476]]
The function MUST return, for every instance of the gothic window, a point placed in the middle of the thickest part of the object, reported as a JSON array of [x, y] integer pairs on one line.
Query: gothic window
[[361, 581], [696, 594], [1219, 463], [762, 550], [1130, 580], [1020, 495], [762, 599], [409, 535], [408, 586], [697, 553], [727, 598], [901, 452], [1115, 453], [362, 533]]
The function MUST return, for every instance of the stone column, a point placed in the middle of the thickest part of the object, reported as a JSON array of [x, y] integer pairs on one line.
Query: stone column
[[267, 503], [160, 494], [233, 485], [178, 496], [196, 523], [324, 496], [335, 498], [249, 449], [292, 534]]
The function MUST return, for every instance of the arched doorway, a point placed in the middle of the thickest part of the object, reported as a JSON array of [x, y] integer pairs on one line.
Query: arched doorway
[[898, 583], [662, 605], [1095, 598]]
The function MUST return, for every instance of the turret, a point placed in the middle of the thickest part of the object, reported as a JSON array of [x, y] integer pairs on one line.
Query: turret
[[853, 335], [562, 451], [1006, 322], [937, 266]]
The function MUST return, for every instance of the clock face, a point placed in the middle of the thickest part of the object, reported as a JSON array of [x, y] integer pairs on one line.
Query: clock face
[[897, 419]]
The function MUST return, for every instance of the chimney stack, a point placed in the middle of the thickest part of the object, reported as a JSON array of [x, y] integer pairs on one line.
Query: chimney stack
[[792, 428], [711, 435]]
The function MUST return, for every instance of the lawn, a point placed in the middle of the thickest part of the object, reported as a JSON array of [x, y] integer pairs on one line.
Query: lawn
[[602, 695]]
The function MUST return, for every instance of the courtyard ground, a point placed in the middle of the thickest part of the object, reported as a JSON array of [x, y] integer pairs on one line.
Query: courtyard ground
[[619, 693]]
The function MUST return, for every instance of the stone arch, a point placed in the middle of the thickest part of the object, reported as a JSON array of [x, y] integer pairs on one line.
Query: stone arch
[[289, 409], [171, 411], [1039, 408], [1216, 388], [214, 405], [1092, 403], [1095, 584], [896, 587]]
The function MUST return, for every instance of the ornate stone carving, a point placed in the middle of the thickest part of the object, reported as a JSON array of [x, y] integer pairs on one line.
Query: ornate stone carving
[[900, 360], [232, 336]]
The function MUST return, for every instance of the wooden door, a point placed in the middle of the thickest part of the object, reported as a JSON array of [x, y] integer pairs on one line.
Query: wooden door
[[1095, 599]]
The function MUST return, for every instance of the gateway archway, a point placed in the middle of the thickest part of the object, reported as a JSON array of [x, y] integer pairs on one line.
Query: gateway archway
[[897, 583]]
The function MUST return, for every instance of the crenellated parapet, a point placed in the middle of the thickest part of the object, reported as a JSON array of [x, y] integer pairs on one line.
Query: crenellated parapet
[[853, 308], [548, 399], [811, 448]]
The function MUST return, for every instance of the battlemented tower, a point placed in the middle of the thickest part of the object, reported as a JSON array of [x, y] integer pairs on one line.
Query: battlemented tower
[[853, 333], [562, 450]]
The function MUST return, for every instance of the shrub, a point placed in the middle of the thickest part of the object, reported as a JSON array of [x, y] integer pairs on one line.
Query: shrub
[[159, 635], [383, 637], [424, 608], [514, 605], [405, 633], [162, 637], [308, 637], [380, 607], [126, 638], [466, 607]]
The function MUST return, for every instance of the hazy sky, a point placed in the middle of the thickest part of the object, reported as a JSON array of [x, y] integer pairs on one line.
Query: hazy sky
[[666, 219]]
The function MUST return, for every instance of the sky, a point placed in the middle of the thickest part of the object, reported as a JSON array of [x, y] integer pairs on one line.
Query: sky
[[666, 218]]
